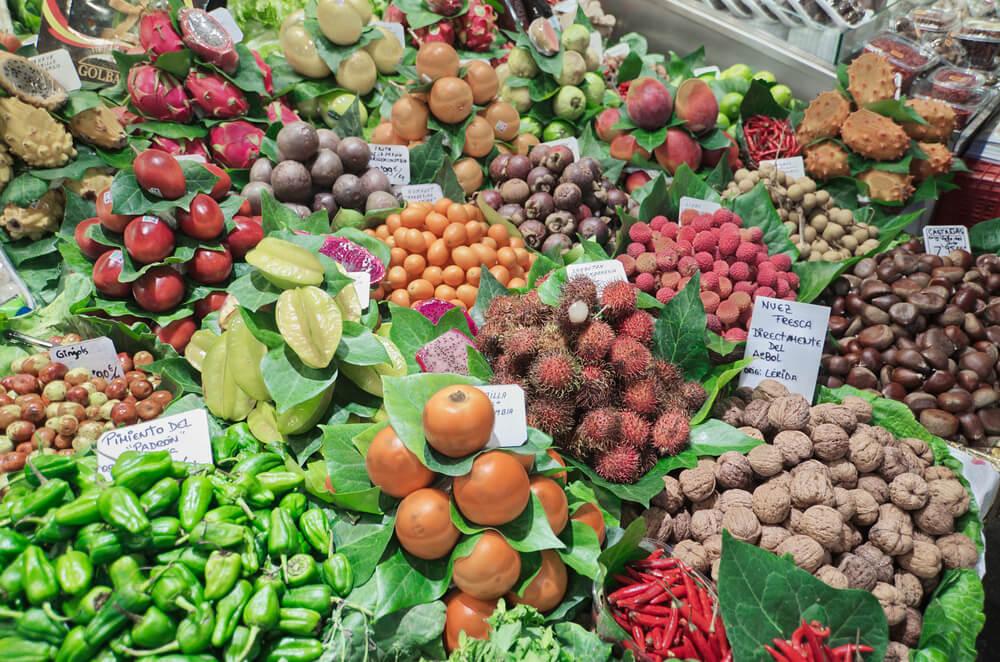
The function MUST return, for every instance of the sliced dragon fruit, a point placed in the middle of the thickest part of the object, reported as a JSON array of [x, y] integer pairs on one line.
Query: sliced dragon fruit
[[353, 257], [447, 353], [435, 309]]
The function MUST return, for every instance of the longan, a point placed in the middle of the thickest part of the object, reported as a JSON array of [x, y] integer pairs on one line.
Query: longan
[[453, 275], [467, 294], [414, 265]]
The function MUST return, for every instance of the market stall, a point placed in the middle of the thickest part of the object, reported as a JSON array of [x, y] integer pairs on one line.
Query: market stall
[[441, 330]]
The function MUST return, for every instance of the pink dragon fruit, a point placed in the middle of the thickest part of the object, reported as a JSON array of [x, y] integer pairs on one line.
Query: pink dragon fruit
[[443, 32], [235, 144], [278, 111], [476, 27], [353, 257], [449, 352], [215, 96], [435, 309], [157, 35], [444, 7], [125, 116], [265, 69], [394, 14], [182, 147], [157, 94], [208, 39]]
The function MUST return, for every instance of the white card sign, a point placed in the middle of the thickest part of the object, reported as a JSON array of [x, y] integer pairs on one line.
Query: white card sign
[[60, 66], [362, 286], [395, 28], [943, 239], [185, 435], [98, 355], [601, 273], [223, 16], [393, 160], [793, 166], [697, 206], [572, 143], [510, 427], [786, 343], [701, 71], [420, 192]]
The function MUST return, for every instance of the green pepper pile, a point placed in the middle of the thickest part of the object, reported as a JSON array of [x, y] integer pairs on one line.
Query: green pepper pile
[[166, 561]]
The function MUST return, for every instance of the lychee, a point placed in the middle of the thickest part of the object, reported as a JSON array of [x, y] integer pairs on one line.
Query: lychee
[[670, 433], [701, 222], [704, 241], [619, 465], [723, 215], [781, 261], [746, 252], [593, 344], [645, 282], [628, 262], [554, 373], [728, 243], [720, 267], [710, 301], [657, 222], [666, 260], [710, 281], [712, 322], [739, 271], [664, 295], [635, 249], [641, 397], [640, 232], [756, 234], [645, 263], [634, 429]]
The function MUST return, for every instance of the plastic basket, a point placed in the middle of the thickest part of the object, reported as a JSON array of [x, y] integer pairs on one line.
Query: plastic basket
[[976, 199]]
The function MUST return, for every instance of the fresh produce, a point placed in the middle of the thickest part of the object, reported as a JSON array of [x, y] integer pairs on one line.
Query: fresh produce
[[474, 29], [768, 138], [808, 641]]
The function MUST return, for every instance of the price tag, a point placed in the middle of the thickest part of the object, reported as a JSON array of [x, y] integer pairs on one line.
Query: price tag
[[691, 207], [185, 435], [620, 49], [793, 166], [223, 16], [420, 192], [395, 28], [786, 343], [565, 7], [597, 45], [362, 285], [197, 158], [943, 239], [98, 355], [60, 66], [510, 428], [601, 273], [707, 70], [393, 160], [572, 143]]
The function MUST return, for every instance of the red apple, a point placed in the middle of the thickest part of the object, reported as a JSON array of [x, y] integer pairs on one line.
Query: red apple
[[149, 239], [247, 234], [159, 289], [210, 267], [205, 220], [178, 333], [106, 271], [88, 246]]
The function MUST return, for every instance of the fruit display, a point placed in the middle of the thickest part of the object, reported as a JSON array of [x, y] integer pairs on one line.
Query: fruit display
[[471, 28]]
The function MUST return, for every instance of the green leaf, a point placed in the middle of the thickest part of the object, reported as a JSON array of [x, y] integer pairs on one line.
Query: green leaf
[[419, 16], [402, 581], [403, 634], [687, 184], [248, 76], [953, 618], [253, 291], [332, 54], [550, 64], [713, 438], [528, 532], [290, 381], [172, 130], [630, 67], [984, 237], [758, 101], [130, 199], [23, 190], [714, 139], [489, 288], [815, 276], [175, 63], [614, 559], [681, 67], [897, 110], [650, 140], [582, 548], [358, 346], [642, 491], [757, 210], [345, 464], [427, 159], [80, 101], [363, 540], [679, 331], [180, 373], [597, 149], [656, 199], [720, 175], [75, 169], [715, 382], [349, 124]]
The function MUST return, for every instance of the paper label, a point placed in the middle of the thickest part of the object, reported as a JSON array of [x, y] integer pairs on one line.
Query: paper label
[[393, 160], [897, 78], [691, 207], [395, 28], [793, 166], [510, 428], [223, 16], [943, 239], [60, 66], [601, 273], [500, 126], [197, 158], [420, 192], [707, 70], [185, 435], [362, 285], [97, 355], [786, 342], [596, 45], [572, 143], [565, 7], [620, 49]]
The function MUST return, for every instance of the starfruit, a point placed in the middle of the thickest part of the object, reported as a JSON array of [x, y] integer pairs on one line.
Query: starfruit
[[311, 323], [246, 353], [201, 341], [284, 264], [304, 415], [223, 397], [263, 423], [347, 300], [369, 378]]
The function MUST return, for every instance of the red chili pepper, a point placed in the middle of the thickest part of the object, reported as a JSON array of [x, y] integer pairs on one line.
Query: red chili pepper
[[696, 618], [817, 627], [668, 637], [704, 650], [778, 657], [789, 651], [813, 642], [655, 610], [639, 638], [622, 621], [648, 620], [626, 592]]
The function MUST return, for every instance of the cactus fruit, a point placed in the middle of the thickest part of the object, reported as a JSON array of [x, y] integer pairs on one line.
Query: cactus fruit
[[33, 135], [30, 83], [157, 94], [94, 181], [870, 78], [235, 144], [477, 26], [38, 219], [940, 120], [182, 146], [884, 186], [157, 34], [215, 96], [823, 117], [938, 161], [278, 111], [208, 39], [99, 126], [265, 71], [874, 136], [443, 32], [6, 167], [826, 160]]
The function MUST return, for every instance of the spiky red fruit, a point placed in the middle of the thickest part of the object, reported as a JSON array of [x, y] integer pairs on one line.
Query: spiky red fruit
[[595, 387], [521, 344], [630, 358], [667, 372], [642, 397], [599, 427], [638, 325], [621, 464], [553, 417], [694, 395], [580, 289], [594, 343], [554, 373], [618, 299], [634, 429], [670, 433]]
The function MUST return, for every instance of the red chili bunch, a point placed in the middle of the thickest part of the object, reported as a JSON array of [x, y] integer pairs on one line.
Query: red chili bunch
[[808, 644], [769, 138], [667, 609]]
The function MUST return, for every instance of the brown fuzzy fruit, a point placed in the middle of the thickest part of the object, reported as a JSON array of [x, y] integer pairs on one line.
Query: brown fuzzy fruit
[[938, 161], [436, 60], [451, 99], [826, 160], [823, 117], [887, 186], [874, 136], [409, 118], [940, 120], [870, 78], [483, 80]]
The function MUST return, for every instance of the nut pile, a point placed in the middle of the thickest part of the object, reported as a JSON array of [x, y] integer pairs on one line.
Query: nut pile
[[46, 407], [849, 501], [923, 329], [818, 228]]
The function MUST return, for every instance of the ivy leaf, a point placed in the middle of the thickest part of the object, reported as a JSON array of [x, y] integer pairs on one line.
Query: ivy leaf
[[650, 140], [582, 548], [599, 150], [248, 76], [81, 100], [984, 236], [427, 159], [402, 581], [253, 291], [363, 541], [714, 139], [75, 169], [717, 379], [757, 210], [172, 130], [758, 101], [713, 438], [648, 486], [175, 63], [358, 346], [720, 176], [419, 16], [349, 123], [896, 110], [681, 67], [332, 54], [688, 184], [679, 332], [23, 190], [815, 276], [291, 381], [630, 67], [489, 288]]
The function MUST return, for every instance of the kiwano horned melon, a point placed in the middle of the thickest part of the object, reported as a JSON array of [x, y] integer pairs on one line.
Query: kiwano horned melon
[[940, 120], [6, 166], [33, 135], [870, 78], [823, 117], [30, 83], [886, 186], [826, 160], [38, 219], [938, 161], [94, 181], [874, 136], [99, 126]]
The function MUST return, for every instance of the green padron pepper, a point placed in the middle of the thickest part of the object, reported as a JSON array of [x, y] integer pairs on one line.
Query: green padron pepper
[[251, 555], [49, 531], [75, 647], [173, 582], [231, 514], [80, 511], [195, 500], [316, 597], [102, 544], [282, 536], [262, 612], [191, 558], [216, 534], [48, 467], [161, 497], [140, 471], [120, 508], [165, 532], [35, 625], [237, 650], [295, 649], [315, 528], [337, 573], [221, 573], [90, 604], [12, 544], [12, 579], [153, 629], [114, 613], [16, 649], [40, 582], [125, 571], [194, 634], [300, 570], [299, 621], [228, 612], [49, 495], [295, 503], [280, 482], [252, 464], [74, 571]]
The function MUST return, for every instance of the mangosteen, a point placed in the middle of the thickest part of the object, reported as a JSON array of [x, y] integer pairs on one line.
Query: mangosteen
[[590, 164], [498, 169], [301, 210], [567, 196], [582, 212], [539, 205], [328, 139], [326, 168], [252, 193], [541, 179], [590, 200], [538, 154], [491, 197], [291, 182], [354, 153], [596, 229], [558, 158], [515, 191], [561, 221], [325, 200], [347, 191], [518, 166], [260, 171], [298, 141], [579, 175], [375, 180], [533, 232], [380, 200], [617, 198], [513, 213], [557, 241]]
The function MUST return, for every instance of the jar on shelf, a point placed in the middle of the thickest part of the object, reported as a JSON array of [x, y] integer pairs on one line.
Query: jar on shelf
[[981, 39], [955, 84], [906, 56]]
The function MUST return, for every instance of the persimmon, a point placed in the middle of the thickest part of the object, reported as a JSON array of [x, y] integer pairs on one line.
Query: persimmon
[[458, 420], [491, 568], [553, 500], [423, 524], [547, 588], [436, 60], [561, 476], [483, 80], [591, 515], [393, 467], [495, 491], [467, 614]]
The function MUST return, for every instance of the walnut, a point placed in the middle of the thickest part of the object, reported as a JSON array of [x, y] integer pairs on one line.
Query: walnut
[[810, 488], [751, 432], [708, 463], [731, 498], [713, 547], [875, 486], [935, 518], [654, 517], [682, 526], [938, 472], [892, 603], [806, 552], [765, 460], [852, 537], [920, 448], [898, 460], [838, 415], [784, 479], [698, 483], [771, 503], [693, 554], [730, 411], [671, 499], [708, 503], [716, 564], [666, 528], [862, 408], [832, 577], [908, 491], [843, 474], [896, 652], [883, 436], [881, 562], [705, 523], [733, 470], [920, 536], [907, 631], [924, 560], [811, 465], [795, 447], [909, 588], [821, 523], [929, 584], [865, 507], [742, 524], [951, 493], [792, 521], [770, 389], [755, 415], [957, 551], [789, 412], [744, 393], [844, 503], [859, 572], [893, 532], [865, 451], [830, 442], [772, 536]]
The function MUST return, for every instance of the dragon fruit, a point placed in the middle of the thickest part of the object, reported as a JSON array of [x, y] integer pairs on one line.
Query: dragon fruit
[[265, 69], [394, 14], [208, 39], [125, 117], [157, 35], [435, 309], [182, 147], [157, 94], [444, 7], [215, 96], [447, 353], [353, 257], [278, 111], [443, 32], [235, 144], [476, 27]]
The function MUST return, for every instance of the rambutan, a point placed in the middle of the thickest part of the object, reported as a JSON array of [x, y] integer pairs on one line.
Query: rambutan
[[669, 374], [621, 464], [647, 460], [638, 325], [502, 307], [630, 358], [555, 373], [521, 344], [489, 339], [530, 311], [599, 427], [670, 433], [553, 417], [580, 289], [551, 339], [694, 395], [595, 387], [618, 299], [593, 344], [642, 397], [634, 429]]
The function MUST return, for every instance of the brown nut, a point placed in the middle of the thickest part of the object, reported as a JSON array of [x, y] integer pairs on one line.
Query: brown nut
[[20, 431], [125, 361], [148, 409], [140, 388], [124, 413], [12, 461]]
